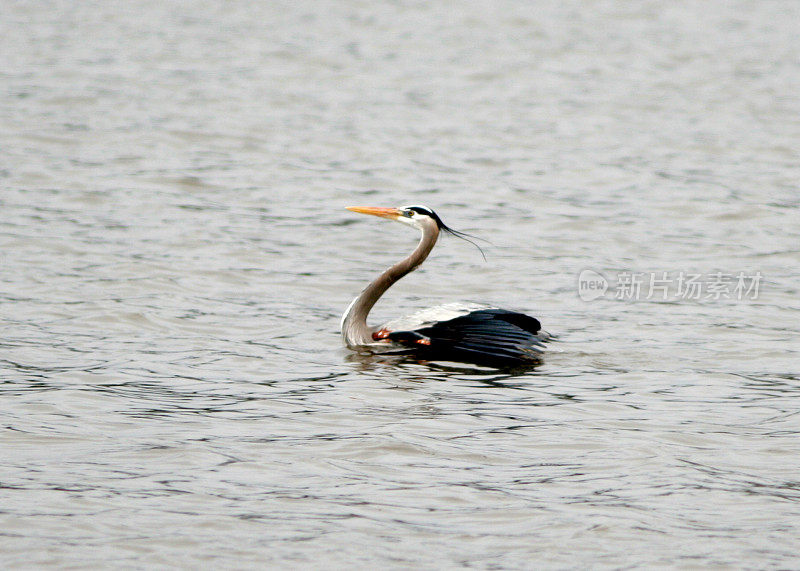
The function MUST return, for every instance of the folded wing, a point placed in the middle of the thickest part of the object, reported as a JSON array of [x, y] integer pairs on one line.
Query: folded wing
[[494, 337]]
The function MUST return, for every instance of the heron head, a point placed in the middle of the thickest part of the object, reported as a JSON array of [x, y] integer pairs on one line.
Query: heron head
[[420, 217]]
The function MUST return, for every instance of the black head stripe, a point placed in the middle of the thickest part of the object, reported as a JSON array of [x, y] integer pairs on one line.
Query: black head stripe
[[442, 226], [427, 212], [421, 210]]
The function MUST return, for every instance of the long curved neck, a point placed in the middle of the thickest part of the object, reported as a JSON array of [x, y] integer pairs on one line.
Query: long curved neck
[[355, 330]]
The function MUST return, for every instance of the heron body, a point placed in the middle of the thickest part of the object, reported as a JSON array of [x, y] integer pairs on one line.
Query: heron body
[[465, 332]]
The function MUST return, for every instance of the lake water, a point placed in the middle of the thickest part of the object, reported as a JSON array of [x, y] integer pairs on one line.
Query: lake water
[[176, 255]]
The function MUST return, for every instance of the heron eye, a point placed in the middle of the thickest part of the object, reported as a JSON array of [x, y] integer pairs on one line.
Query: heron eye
[[408, 213]]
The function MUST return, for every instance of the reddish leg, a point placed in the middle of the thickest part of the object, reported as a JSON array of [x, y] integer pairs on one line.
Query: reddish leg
[[381, 334]]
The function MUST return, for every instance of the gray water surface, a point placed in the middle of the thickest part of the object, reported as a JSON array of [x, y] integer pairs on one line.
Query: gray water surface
[[176, 255]]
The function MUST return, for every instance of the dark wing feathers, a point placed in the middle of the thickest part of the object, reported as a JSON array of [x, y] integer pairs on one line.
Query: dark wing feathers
[[494, 337]]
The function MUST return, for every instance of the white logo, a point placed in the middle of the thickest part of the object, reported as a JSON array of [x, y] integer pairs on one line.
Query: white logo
[[591, 285]]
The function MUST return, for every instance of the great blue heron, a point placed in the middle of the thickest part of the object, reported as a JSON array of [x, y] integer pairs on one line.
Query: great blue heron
[[464, 332]]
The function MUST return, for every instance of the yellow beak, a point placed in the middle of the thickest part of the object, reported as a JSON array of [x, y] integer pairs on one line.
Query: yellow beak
[[391, 213]]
